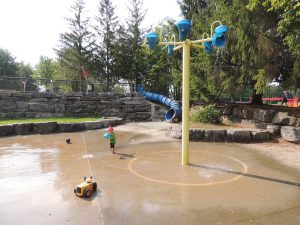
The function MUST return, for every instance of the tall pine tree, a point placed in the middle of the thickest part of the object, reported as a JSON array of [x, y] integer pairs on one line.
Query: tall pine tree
[[107, 25], [136, 53], [76, 49]]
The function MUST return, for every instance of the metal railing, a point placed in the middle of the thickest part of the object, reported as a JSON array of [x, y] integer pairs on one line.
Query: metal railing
[[27, 84]]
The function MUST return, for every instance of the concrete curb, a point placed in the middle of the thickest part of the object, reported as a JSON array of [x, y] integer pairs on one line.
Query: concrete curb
[[54, 127]]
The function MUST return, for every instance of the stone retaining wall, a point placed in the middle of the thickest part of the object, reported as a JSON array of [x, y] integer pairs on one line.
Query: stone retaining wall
[[277, 120], [53, 127], [42, 104], [230, 135]]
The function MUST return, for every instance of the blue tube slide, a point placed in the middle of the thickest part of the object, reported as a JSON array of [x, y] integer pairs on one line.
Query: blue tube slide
[[174, 113]]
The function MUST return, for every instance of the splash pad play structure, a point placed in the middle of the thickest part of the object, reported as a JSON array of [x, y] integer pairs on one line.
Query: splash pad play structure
[[217, 39], [143, 183]]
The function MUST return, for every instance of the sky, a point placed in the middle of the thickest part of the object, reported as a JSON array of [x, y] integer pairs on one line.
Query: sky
[[30, 28]]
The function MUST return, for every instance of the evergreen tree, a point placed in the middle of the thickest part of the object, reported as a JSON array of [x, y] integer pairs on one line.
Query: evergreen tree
[[106, 31], [8, 66], [254, 55], [288, 27], [122, 55], [77, 45], [136, 57]]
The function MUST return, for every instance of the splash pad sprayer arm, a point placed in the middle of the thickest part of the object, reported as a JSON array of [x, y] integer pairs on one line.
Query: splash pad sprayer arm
[[217, 39]]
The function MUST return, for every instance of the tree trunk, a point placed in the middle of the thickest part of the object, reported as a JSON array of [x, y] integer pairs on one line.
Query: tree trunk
[[256, 99]]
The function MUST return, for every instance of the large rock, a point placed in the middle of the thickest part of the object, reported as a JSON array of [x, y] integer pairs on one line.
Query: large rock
[[6, 130], [196, 134], [40, 107], [282, 118], [176, 132], [238, 136], [248, 122], [291, 134], [297, 122], [260, 125], [45, 128], [215, 135], [266, 116], [23, 128], [259, 136], [227, 110], [140, 116], [273, 129], [93, 125], [226, 119], [112, 121], [70, 127], [239, 114]]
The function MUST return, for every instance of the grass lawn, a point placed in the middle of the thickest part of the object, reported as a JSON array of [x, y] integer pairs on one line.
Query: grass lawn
[[51, 119]]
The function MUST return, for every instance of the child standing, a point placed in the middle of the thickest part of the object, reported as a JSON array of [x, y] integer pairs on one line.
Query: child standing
[[112, 138]]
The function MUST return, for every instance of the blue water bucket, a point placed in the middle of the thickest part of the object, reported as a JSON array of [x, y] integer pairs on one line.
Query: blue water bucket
[[152, 39], [183, 27], [219, 37], [208, 47]]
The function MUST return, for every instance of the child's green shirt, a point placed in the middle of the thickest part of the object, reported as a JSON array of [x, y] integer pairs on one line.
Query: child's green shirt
[[112, 138]]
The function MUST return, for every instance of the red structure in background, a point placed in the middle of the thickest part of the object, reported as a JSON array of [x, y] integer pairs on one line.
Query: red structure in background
[[292, 102]]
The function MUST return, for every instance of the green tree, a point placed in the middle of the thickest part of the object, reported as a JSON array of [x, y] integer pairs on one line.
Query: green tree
[[25, 72], [44, 69], [76, 50], [122, 55], [288, 27], [136, 58], [44, 72], [106, 51], [8, 66], [254, 55], [173, 62]]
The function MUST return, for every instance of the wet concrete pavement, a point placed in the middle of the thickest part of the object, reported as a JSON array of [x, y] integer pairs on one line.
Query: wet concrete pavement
[[144, 183]]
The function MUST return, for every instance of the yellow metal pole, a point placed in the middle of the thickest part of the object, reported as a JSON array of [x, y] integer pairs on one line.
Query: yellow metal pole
[[185, 101]]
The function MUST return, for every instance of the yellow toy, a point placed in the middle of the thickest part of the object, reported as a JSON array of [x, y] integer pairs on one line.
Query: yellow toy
[[86, 188]]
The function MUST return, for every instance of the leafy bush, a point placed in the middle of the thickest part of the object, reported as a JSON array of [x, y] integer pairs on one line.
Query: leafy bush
[[206, 114]]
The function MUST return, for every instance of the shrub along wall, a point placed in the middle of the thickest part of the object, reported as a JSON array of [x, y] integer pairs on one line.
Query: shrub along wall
[[40, 104]]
